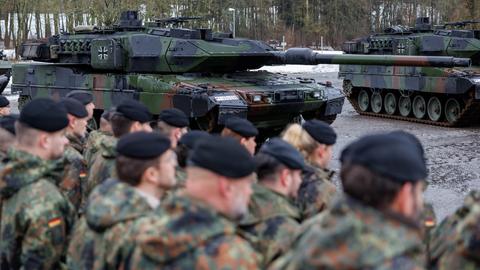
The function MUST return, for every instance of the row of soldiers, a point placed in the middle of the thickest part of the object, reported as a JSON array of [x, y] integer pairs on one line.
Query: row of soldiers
[[140, 193]]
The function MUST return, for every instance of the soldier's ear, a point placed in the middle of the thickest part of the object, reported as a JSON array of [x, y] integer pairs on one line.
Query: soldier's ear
[[225, 188]]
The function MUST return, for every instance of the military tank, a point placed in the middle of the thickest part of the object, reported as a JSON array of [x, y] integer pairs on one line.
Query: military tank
[[207, 75], [5, 69], [431, 95]]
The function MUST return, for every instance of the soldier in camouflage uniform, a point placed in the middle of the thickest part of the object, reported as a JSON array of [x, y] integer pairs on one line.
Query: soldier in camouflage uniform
[[241, 130], [377, 224], [315, 141], [273, 217], [36, 217], [183, 150], [145, 169], [196, 231], [4, 106], [130, 116], [86, 98], [74, 180], [172, 123], [96, 137]]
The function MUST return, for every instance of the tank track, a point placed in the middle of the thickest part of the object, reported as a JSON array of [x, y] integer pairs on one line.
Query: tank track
[[469, 115]]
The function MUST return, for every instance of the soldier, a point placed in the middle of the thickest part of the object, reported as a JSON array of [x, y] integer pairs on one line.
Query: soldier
[[196, 231], [7, 133], [36, 217], [130, 116], [74, 180], [243, 131], [173, 123], [7, 122], [86, 98], [96, 137], [315, 141], [273, 216], [376, 225], [185, 145], [145, 169], [4, 106]]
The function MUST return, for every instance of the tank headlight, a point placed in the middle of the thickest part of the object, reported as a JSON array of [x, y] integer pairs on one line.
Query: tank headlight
[[257, 98], [316, 94]]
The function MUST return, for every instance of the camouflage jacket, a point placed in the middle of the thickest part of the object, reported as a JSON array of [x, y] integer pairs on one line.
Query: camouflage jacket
[[103, 166], [455, 240], [273, 219], [186, 234], [100, 239], [316, 191], [351, 235], [75, 171], [93, 145], [36, 218]]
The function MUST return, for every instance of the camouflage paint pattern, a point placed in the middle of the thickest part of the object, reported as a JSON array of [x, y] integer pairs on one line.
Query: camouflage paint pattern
[[36, 218], [353, 236], [186, 234], [273, 219], [101, 238]]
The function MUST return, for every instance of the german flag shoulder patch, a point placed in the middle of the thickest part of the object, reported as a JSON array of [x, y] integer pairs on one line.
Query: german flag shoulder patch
[[54, 222]]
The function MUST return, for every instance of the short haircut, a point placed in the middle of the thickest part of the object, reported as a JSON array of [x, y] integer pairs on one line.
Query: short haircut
[[368, 187], [120, 125], [226, 132], [130, 170], [267, 167], [6, 140], [26, 135], [182, 152], [164, 128]]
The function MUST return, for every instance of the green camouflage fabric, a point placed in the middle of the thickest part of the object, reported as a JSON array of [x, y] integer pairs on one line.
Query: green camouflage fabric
[[100, 239], [448, 247], [181, 176], [93, 145], [316, 191], [36, 218], [74, 179], [351, 235], [273, 219], [184, 233], [103, 166]]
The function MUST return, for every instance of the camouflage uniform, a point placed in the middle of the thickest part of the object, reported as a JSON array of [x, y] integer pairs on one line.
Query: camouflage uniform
[[100, 239], [36, 217], [449, 248], [181, 176], [316, 191], [74, 179], [273, 219], [93, 145], [187, 234], [103, 166], [351, 235]]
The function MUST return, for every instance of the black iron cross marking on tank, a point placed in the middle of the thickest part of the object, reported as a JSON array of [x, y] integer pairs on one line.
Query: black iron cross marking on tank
[[103, 53]]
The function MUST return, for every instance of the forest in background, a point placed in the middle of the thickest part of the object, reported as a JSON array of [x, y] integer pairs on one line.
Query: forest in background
[[301, 22]]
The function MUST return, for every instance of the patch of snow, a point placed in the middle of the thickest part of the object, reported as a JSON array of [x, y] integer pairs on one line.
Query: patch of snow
[[9, 53], [304, 68]]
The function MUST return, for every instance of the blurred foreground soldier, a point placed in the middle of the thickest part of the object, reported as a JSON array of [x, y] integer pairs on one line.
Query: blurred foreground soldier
[[36, 217], [376, 225], [184, 148], [96, 137], [315, 140], [242, 130], [130, 116], [86, 98], [75, 168], [7, 133], [145, 169], [196, 231], [8, 122], [273, 216], [4, 106], [173, 123]]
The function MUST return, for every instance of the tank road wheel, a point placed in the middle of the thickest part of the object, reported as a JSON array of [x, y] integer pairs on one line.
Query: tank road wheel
[[419, 107], [452, 110], [434, 109], [390, 103], [363, 100], [405, 106], [376, 103]]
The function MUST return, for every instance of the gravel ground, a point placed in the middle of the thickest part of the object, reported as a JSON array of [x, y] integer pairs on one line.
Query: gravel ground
[[453, 154]]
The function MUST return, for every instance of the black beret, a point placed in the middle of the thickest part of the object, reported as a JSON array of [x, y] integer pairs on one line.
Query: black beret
[[143, 145], [224, 156], [44, 114], [84, 97], [192, 137], [174, 117], [241, 126], [392, 155], [4, 102], [74, 107], [320, 131], [283, 152], [134, 111], [8, 122]]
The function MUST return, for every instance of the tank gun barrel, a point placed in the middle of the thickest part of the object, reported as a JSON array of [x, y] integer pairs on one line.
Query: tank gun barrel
[[305, 56]]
